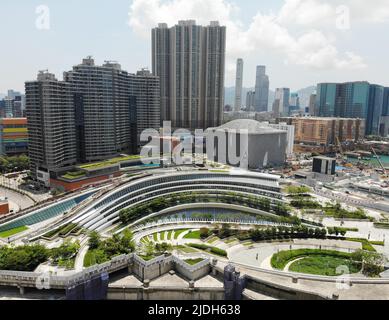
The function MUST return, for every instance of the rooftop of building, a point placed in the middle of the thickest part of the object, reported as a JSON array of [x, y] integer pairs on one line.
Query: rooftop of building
[[253, 127], [320, 118]]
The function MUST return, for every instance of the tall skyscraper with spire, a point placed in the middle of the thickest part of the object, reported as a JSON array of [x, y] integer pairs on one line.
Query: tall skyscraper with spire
[[261, 90], [238, 85], [190, 60]]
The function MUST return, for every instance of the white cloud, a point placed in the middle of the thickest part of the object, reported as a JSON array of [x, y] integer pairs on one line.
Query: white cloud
[[311, 44]]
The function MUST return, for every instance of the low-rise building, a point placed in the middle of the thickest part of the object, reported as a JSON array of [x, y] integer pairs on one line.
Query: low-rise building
[[325, 131], [13, 136]]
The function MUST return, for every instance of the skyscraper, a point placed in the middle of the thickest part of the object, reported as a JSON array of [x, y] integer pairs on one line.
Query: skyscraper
[[281, 102], [353, 100], [238, 85], [261, 90], [250, 100], [190, 61], [312, 105]]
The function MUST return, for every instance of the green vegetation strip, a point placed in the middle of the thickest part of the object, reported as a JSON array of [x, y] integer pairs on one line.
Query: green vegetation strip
[[178, 232], [169, 235], [193, 235], [204, 247], [324, 265], [281, 259], [193, 262], [11, 232], [366, 245]]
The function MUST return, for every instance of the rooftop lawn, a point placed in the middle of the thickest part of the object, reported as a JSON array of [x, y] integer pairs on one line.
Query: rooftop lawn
[[11, 232], [109, 162]]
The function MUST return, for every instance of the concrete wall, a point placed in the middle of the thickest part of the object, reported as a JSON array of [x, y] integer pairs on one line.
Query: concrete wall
[[165, 294]]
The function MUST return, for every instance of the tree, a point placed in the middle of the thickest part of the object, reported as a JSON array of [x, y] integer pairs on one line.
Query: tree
[[204, 233], [149, 248], [127, 242], [372, 262], [94, 240]]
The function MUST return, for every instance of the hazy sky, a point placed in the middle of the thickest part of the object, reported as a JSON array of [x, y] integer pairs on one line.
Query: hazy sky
[[302, 42]]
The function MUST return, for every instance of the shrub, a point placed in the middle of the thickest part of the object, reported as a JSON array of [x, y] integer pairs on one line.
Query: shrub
[[217, 251]]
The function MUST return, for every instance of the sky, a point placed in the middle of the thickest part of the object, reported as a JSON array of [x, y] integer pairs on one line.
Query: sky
[[302, 42]]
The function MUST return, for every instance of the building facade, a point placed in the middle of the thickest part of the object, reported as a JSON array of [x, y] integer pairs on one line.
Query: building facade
[[325, 131], [281, 102], [238, 85], [261, 99], [190, 60], [353, 100], [258, 147], [13, 136], [96, 113], [51, 129]]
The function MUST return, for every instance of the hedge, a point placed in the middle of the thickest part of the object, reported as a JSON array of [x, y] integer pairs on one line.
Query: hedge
[[281, 259], [217, 251]]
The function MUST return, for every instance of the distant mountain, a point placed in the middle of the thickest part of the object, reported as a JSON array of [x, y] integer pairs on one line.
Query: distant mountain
[[304, 94]]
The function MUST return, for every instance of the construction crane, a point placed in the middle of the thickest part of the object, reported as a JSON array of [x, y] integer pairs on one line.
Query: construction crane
[[379, 160]]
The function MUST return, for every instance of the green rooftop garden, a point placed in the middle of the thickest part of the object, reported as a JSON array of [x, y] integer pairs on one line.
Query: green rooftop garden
[[107, 163]]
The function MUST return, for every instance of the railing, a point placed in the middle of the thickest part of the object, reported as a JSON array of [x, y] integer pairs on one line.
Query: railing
[[208, 221], [55, 281]]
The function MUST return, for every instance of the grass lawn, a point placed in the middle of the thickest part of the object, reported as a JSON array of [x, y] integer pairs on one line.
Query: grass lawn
[[193, 235], [93, 257], [185, 249], [231, 240], [178, 232], [11, 232], [213, 240], [192, 262], [162, 236], [169, 235], [322, 265], [155, 237], [281, 259]]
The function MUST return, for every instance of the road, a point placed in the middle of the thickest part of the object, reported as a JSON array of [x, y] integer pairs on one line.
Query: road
[[17, 201]]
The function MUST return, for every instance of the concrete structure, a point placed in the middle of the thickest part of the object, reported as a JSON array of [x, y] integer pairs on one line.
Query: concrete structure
[[324, 165], [281, 102], [261, 97], [325, 131], [290, 130], [238, 85], [4, 206], [258, 147], [190, 60], [13, 136]]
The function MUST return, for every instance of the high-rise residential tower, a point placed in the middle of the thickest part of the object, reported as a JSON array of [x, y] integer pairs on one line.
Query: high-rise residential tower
[[96, 113], [238, 85], [190, 60], [51, 118], [261, 90]]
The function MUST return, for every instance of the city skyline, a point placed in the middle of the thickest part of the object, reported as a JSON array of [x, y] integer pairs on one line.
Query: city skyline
[[272, 34]]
